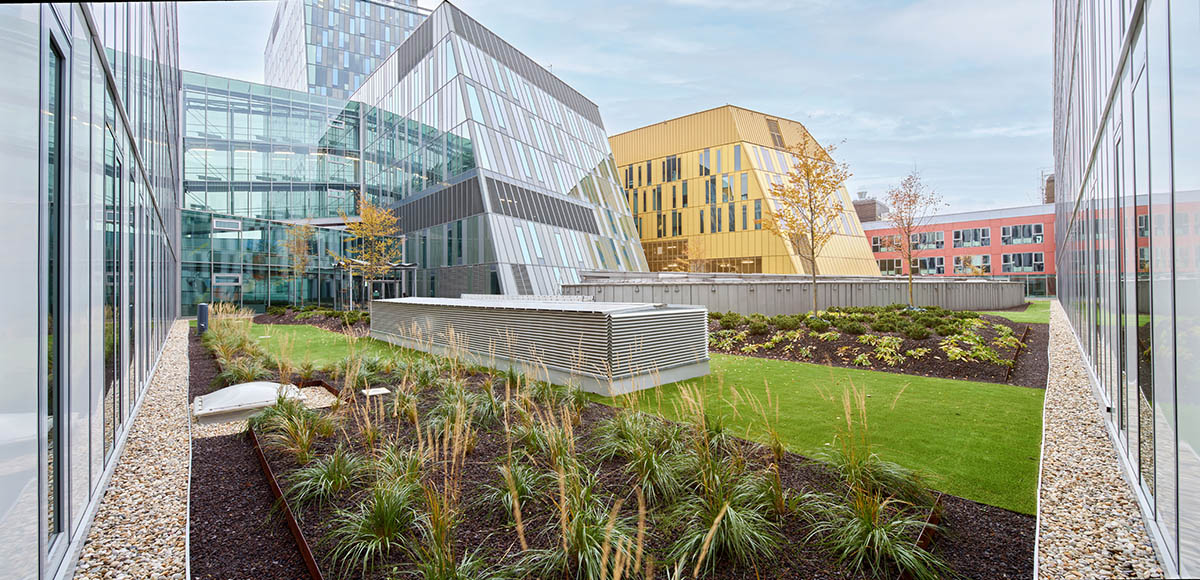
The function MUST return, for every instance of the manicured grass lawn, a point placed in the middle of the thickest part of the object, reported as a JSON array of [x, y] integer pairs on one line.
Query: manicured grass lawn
[[975, 440], [309, 343], [1038, 312]]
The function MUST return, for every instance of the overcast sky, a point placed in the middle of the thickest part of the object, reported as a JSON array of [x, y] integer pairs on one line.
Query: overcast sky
[[958, 89]]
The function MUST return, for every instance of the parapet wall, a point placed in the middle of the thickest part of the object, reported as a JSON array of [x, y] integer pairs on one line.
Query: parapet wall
[[781, 294]]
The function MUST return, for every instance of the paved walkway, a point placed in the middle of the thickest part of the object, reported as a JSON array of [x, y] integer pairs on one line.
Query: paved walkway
[[1089, 522], [140, 528]]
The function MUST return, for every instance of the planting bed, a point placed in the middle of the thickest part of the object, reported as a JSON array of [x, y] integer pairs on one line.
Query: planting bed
[[355, 323], [931, 343], [458, 466]]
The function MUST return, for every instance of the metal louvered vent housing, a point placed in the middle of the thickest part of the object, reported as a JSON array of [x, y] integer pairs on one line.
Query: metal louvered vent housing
[[603, 347]]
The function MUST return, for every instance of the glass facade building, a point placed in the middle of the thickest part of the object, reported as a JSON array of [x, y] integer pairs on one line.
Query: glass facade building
[[1127, 173], [501, 173], [263, 152], [90, 213], [699, 187], [329, 47]]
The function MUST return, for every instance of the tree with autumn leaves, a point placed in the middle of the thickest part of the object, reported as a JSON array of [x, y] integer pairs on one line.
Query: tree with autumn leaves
[[912, 203], [375, 246], [808, 204]]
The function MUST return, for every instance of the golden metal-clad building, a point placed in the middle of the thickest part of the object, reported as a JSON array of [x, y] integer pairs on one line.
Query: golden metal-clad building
[[699, 188]]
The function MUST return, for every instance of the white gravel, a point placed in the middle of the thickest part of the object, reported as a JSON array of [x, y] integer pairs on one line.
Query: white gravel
[[140, 527], [1089, 524]]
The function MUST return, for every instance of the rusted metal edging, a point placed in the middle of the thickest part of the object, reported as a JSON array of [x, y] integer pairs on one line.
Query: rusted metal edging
[[301, 543], [1021, 342], [929, 530]]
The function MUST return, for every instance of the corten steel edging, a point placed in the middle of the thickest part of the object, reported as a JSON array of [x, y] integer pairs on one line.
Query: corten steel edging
[[320, 383], [928, 531], [301, 543], [1017, 354]]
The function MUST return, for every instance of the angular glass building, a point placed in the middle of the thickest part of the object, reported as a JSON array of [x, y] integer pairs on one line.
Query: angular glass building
[[1127, 172], [90, 215], [501, 173], [263, 152], [329, 47], [700, 187]]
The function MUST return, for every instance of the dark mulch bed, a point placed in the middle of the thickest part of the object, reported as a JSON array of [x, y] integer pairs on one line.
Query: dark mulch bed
[[982, 542], [1029, 369], [361, 328], [1022, 308], [234, 533]]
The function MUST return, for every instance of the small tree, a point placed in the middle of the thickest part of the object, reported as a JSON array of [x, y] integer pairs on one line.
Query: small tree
[[809, 204], [297, 243], [912, 203], [374, 246]]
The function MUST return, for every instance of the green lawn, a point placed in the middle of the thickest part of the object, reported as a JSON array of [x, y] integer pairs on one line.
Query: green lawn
[[975, 440], [309, 343], [1038, 312]]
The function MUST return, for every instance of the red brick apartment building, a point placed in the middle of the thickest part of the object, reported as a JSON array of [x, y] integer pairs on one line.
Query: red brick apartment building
[[1015, 243]]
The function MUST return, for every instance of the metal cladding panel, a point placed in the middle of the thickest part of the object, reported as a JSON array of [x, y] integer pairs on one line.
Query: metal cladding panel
[[649, 341], [780, 296], [563, 336]]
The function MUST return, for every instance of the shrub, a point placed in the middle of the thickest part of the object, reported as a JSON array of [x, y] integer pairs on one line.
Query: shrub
[[396, 466], [883, 325], [758, 327], [914, 331], [326, 477], [732, 320], [816, 324], [863, 469], [786, 322], [715, 316], [277, 310], [363, 537], [245, 369], [946, 329], [850, 326], [656, 471]]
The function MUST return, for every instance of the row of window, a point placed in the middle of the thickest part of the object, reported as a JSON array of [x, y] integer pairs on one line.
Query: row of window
[[967, 265], [714, 220], [964, 238]]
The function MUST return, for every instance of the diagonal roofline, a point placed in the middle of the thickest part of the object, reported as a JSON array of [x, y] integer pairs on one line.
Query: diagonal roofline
[[709, 110]]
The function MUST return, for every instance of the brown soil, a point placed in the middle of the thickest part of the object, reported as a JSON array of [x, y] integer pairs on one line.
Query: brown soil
[[1029, 369], [981, 542], [234, 533], [328, 323]]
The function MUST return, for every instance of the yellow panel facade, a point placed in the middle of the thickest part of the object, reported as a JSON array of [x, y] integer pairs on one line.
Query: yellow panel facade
[[699, 188]]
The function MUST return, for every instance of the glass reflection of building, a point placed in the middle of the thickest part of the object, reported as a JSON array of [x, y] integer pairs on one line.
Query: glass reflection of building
[[91, 217], [501, 173], [1127, 137], [329, 47]]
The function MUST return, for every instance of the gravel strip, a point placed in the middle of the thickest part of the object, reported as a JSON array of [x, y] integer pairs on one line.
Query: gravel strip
[[1089, 522], [139, 529]]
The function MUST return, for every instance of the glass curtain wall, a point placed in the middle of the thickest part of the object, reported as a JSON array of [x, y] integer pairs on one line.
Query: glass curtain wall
[[264, 152], [1127, 140], [91, 208]]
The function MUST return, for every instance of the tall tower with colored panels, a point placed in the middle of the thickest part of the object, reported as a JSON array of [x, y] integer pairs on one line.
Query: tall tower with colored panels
[[699, 187]]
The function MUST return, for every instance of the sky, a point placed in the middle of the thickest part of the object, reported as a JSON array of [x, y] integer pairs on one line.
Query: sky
[[959, 90]]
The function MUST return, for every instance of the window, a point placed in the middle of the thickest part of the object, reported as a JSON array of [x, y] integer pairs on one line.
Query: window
[[704, 167], [776, 135], [929, 266], [758, 214], [890, 267], [973, 238], [885, 243], [745, 212], [524, 245], [726, 189], [671, 168], [1143, 226], [674, 200], [648, 178], [683, 186], [745, 185], [50, 351], [737, 158], [717, 222], [719, 161], [1023, 262], [701, 221], [1022, 234], [732, 219], [973, 265], [929, 240]]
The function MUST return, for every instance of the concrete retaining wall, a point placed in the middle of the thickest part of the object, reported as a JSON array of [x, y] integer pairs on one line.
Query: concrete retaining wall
[[773, 295]]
